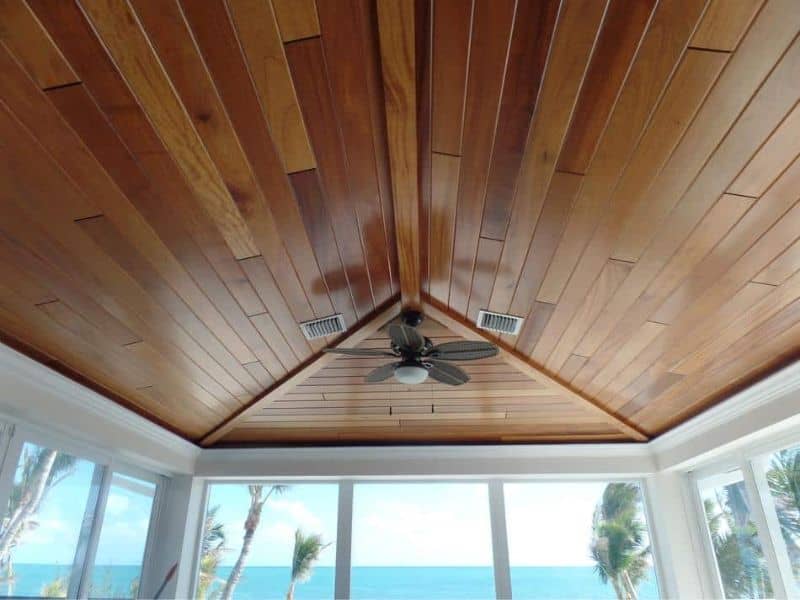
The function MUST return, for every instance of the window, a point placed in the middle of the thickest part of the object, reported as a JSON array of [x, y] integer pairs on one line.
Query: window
[[578, 540], [120, 550], [421, 540], [783, 480], [65, 513], [270, 541], [734, 537], [42, 524]]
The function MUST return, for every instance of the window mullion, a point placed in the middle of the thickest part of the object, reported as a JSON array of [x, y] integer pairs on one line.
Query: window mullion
[[762, 523], [773, 528], [708, 546], [13, 448], [344, 538], [497, 516], [90, 533]]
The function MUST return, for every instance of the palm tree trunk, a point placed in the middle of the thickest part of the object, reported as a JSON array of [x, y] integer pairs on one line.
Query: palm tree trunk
[[29, 503], [626, 579], [290, 593], [238, 566], [618, 588]]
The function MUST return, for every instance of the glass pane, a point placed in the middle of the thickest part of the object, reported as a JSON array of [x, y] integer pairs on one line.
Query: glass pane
[[783, 477], [578, 540], [421, 540], [120, 549], [269, 541], [42, 524], [734, 537]]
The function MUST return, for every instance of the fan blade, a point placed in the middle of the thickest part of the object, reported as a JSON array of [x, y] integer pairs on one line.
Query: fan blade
[[406, 337], [359, 351], [381, 373], [464, 350], [444, 373]]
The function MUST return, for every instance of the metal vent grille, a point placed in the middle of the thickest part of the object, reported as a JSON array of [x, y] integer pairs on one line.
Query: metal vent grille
[[323, 327], [499, 322]]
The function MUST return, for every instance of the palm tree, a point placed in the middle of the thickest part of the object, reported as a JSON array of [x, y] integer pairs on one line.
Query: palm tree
[[251, 523], [212, 547], [40, 470], [783, 478], [307, 549], [736, 548], [618, 542]]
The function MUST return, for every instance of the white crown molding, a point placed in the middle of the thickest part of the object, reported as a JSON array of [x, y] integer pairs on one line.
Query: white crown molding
[[767, 410], [36, 395]]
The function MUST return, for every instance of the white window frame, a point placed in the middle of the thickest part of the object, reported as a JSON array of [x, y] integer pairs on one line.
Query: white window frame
[[751, 461], [14, 435], [497, 518]]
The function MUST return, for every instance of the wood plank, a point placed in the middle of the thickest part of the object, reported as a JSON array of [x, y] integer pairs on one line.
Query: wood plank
[[624, 25], [533, 327], [576, 30], [318, 225], [136, 311], [649, 76], [134, 57], [297, 19], [452, 24], [564, 188], [24, 36], [716, 224], [258, 33], [724, 24], [307, 64], [278, 227], [639, 341], [530, 44], [397, 46], [466, 330], [491, 37], [780, 269], [444, 200], [486, 260], [352, 339], [571, 366], [610, 278], [168, 201], [345, 52], [760, 117], [772, 158], [746, 70]]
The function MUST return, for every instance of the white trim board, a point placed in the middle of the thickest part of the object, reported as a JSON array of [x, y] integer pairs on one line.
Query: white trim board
[[34, 394]]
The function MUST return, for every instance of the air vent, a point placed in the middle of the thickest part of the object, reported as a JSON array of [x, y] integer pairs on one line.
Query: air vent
[[323, 327], [499, 322]]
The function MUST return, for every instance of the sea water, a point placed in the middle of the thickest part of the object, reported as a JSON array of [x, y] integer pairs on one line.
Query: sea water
[[367, 583]]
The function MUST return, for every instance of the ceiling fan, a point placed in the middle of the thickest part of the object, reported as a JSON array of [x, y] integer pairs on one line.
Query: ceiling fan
[[418, 357]]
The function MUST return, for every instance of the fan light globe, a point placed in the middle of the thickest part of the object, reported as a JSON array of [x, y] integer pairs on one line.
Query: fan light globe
[[411, 374]]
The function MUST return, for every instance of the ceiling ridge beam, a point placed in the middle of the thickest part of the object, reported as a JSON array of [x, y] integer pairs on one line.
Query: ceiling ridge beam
[[353, 337], [460, 326], [396, 28]]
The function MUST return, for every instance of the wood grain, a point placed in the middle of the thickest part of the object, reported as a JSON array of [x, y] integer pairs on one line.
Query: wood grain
[[27, 40], [296, 18], [397, 45], [261, 43]]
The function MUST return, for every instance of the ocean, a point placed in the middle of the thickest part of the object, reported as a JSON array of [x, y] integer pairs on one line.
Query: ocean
[[367, 583]]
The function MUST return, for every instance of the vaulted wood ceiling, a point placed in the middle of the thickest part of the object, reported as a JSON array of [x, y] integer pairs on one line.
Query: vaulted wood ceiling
[[182, 182]]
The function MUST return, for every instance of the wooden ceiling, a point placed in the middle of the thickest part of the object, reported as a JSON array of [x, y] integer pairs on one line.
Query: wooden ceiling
[[182, 182]]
